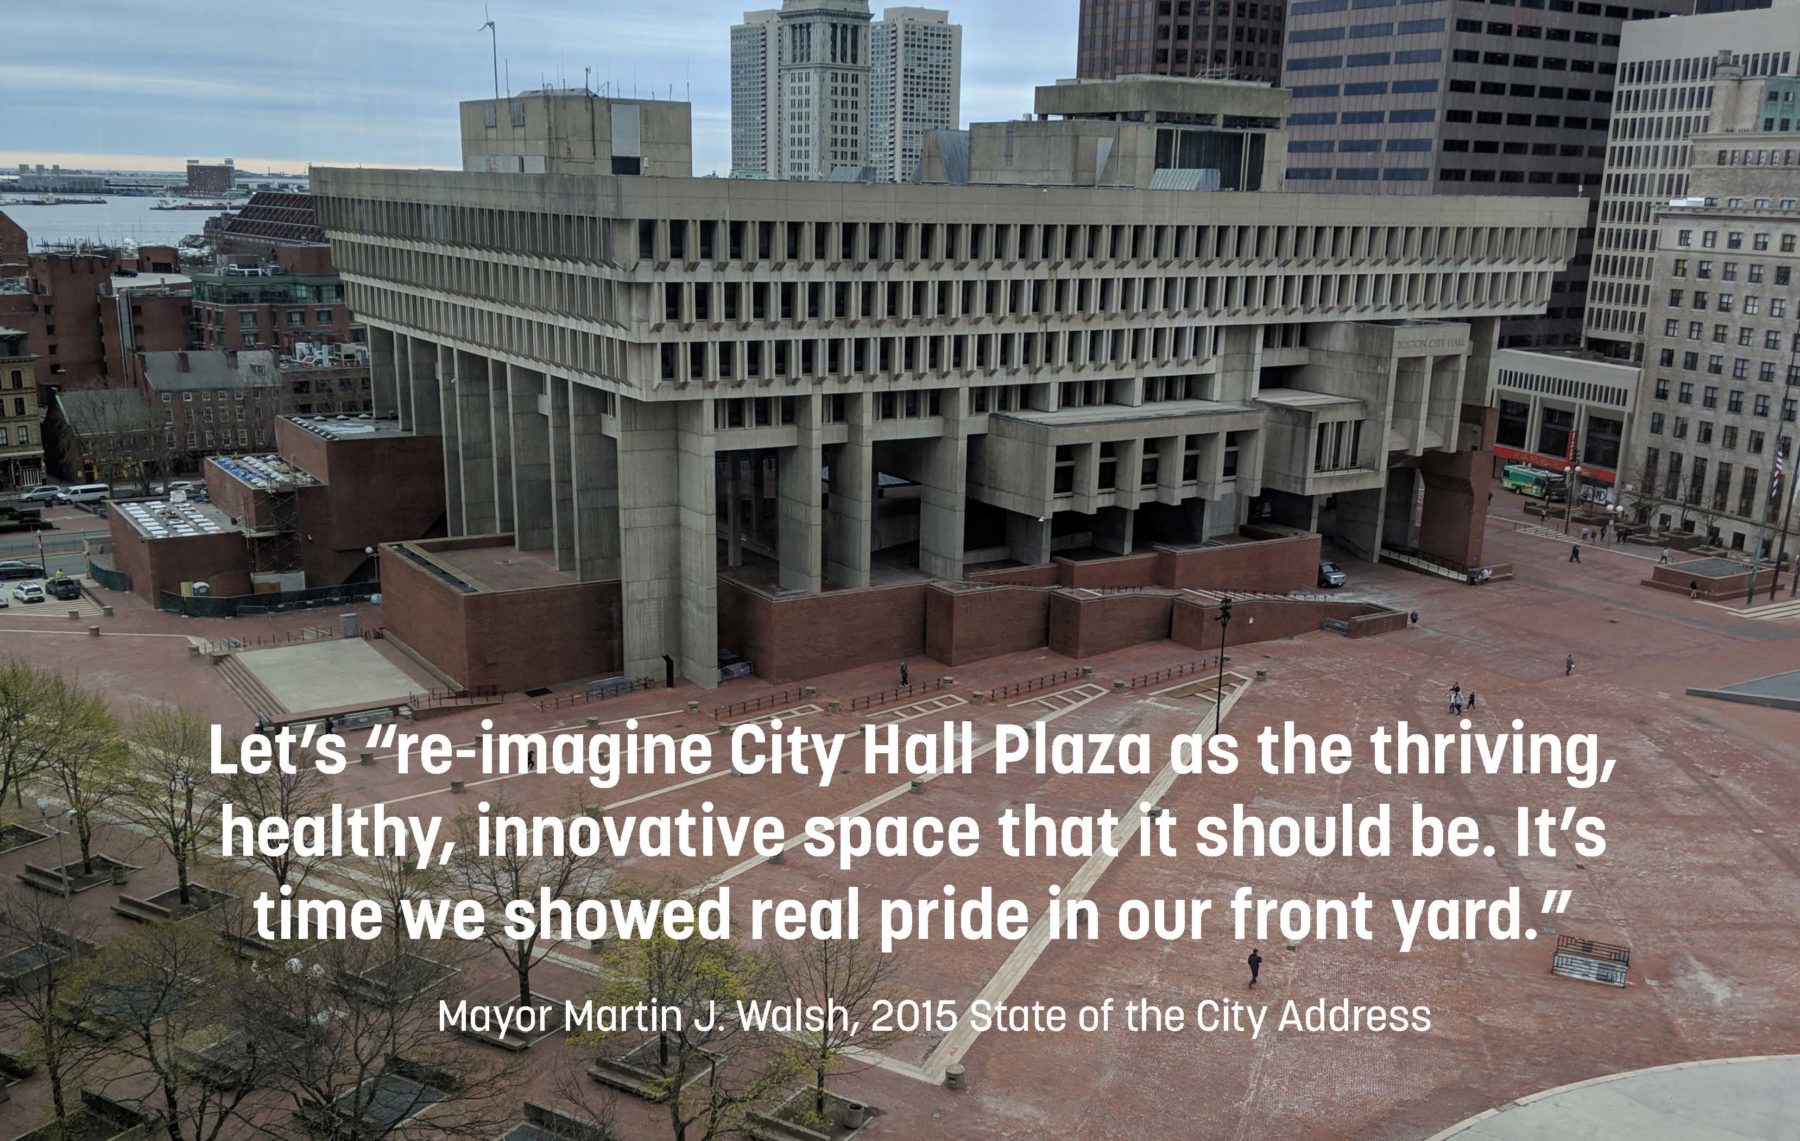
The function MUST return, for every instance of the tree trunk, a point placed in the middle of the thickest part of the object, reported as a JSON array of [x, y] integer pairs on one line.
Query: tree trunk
[[524, 984], [181, 880], [819, 1094], [84, 832]]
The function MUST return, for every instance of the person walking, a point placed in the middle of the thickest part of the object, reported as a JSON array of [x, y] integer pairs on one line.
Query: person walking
[[1693, 588], [1569, 665], [1584, 534], [1575, 552], [1471, 701], [1665, 556], [1255, 966], [905, 676]]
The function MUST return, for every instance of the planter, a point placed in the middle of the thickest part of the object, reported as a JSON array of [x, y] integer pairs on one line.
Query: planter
[[854, 1115], [121, 875]]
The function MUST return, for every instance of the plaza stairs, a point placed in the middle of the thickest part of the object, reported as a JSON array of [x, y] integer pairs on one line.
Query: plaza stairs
[[238, 678]]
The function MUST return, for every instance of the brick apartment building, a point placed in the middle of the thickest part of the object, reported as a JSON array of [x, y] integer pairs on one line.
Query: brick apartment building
[[21, 427], [70, 306], [684, 415]]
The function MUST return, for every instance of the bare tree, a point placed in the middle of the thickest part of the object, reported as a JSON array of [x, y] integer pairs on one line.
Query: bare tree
[[398, 881], [114, 433], [170, 791], [87, 759], [845, 979], [285, 796], [165, 992], [356, 1061], [24, 742], [712, 1070], [35, 932], [508, 872]]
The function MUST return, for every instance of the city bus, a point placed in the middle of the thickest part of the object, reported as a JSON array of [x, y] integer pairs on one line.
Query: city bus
[[1536, 482]]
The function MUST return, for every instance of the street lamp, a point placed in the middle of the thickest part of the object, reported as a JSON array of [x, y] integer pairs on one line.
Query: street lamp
[[1572, 477], [1219, 696], [48, 812]]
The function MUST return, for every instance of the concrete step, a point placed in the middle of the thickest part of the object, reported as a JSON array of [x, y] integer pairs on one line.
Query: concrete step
[[248, 689]]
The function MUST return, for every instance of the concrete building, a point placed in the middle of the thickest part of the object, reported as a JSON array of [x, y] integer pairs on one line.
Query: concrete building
[[1677, 78], [21, 422], [717, 412], [1215, 38], [801, 89], [1430, 100], [915, 86], [1721, 389], [1543, 400], [578, 132], [1147, 132]]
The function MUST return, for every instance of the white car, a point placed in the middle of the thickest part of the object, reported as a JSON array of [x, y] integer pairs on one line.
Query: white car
[[28, 592]]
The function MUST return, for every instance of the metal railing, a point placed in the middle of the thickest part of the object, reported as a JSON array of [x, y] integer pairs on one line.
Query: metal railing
[[276, 602], [897, 693], [1612, 952], [1032, 685], [286, 638], [753, 704], [1185, 669], [591, 695], [452, 698]]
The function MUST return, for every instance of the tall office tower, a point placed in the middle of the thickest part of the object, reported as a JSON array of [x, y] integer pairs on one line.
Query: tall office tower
[[1433, 98], [1677, 79], [915, 86], [754, 96], [812, 115], [1224, 38]]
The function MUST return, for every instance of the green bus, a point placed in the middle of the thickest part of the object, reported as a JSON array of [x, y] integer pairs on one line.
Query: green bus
[[1524, 479]]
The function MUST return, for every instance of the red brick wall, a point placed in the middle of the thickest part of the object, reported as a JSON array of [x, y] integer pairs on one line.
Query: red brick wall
[[1382, 622], [517, 639], [426, 614], [1194, 624], [1731, 587], [1083, 627], [156, 566], [1271, 565], [969, 625], [1125, 570], [789, 638]]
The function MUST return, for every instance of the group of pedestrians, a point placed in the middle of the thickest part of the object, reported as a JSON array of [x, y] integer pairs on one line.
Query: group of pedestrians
[[1460, 700]]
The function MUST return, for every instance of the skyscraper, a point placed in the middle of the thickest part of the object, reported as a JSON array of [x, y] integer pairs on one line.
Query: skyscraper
[[800, 89], [1439, 99], [1228, 38], [915, 87], [1668, 92]]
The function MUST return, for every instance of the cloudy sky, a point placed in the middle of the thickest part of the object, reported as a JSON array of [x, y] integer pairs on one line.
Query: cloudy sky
[[147, 84]]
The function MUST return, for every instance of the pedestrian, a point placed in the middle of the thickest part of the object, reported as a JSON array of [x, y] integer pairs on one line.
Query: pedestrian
[[1575, 553], [1471, 701], [1569, 665], [1665, 556], [1693, 588], [1415, 618], [904, 675], [1487, 575], [329, 726], [1584, 534], [1255, 965], [262, 724]]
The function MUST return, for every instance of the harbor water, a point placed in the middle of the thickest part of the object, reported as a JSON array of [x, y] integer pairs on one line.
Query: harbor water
[[111, 222]]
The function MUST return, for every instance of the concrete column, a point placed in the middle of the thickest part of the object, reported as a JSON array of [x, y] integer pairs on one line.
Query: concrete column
[[1029, 538], [799, 518], [384, 380], [500, 433], [475, 443], [1359, 522], [1398, 509], [594, 468], [448, 423], [667, 537], [1112, 529], [534, 528], [756, 496], [850, 516], [941, 503], [562, 477], [734, 510]]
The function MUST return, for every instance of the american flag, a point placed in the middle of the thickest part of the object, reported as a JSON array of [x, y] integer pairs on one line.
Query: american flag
[[1780, 467]]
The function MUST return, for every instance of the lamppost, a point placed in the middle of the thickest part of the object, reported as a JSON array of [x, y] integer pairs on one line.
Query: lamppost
[[1571, 480], [62, 864], [1219, 696]]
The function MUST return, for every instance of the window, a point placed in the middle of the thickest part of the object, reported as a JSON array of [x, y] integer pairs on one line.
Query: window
[[1662, 388], [1656, 423], [1686, 393], [1761, 405], [1754, 443]]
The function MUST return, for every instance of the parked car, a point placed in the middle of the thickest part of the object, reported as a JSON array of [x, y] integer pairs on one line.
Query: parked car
[[1330, 575], [13, 568], [187, 485], [66, 589], [28, 592], [3, 602], [44, 493]]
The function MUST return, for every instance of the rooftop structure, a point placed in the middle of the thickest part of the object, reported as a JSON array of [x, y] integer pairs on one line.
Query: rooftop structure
[[577, 132]]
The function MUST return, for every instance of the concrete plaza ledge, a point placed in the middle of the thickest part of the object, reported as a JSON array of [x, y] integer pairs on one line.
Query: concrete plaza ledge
[[1718, 1099]]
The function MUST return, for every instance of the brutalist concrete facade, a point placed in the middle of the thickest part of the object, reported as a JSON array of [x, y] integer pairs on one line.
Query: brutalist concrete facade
[[656, 380]]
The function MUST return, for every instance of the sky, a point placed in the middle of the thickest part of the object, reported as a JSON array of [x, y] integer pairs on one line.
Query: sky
[[149, 84]]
